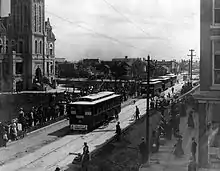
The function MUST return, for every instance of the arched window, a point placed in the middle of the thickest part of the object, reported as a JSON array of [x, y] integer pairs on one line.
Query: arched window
[[51, 49], [40, 19], [35, 18], [40, 47], [35, 46]]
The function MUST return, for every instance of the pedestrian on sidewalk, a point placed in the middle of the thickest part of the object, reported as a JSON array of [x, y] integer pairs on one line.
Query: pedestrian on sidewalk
[[192, 165], [137, 113], [193, 149], [172, 90], [118, 131], [143, 147], [178, 149]]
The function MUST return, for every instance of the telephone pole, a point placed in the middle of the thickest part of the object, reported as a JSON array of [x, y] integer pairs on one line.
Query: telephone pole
[[191, 55], [147, 110]]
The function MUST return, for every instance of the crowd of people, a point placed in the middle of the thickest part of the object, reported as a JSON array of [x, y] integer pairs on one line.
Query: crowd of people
[[36, 117]]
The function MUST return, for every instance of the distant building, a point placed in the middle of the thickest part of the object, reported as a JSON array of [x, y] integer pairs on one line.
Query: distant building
[[209, 94], [27, 45], [172, 66]]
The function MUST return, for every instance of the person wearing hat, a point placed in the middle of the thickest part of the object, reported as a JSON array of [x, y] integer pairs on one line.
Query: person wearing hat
[[118, 131], [85, 148], [143, 147]]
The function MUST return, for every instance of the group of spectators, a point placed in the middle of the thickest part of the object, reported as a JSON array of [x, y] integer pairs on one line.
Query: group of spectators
[[38, 116], [186, 87]]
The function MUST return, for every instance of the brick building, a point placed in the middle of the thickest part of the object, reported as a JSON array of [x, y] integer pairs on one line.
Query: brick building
[[29, 43], [209, 94]]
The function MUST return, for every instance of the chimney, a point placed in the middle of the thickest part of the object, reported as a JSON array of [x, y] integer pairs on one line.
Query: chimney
[[126, 57]]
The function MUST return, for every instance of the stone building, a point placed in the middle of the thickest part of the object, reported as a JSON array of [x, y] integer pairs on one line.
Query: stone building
[[30, 43], [209, 94]]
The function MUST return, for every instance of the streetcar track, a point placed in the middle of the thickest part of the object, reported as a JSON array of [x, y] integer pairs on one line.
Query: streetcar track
[[55, 149], [72, 140], [112, 128]]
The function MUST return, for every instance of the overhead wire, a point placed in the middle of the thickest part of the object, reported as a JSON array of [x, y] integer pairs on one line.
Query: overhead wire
[[78, 24], [124, 16]]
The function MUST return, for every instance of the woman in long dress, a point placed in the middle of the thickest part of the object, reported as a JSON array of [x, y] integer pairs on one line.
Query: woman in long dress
[[178, 150]]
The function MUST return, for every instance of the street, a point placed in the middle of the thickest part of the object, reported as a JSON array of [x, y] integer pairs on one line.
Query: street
[[57, 152]]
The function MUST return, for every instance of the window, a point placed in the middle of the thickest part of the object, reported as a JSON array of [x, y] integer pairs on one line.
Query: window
[[216, 12], [1, 46], [216, 62], [40, 19], [19, 68], [48, 68], [40, 47], [35, 18], [20, 47], [35, 46], [51, 49]]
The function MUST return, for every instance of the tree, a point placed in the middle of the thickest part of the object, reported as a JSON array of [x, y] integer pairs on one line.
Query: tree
[[118, 69]]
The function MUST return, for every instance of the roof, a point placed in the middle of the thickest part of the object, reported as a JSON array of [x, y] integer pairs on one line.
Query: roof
[[96, 101], [163, 77], [153, 82], [97, 95]]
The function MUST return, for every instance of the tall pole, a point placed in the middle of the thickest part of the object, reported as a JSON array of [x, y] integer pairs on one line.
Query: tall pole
[[147, 111], [189, 71], [191, 55]]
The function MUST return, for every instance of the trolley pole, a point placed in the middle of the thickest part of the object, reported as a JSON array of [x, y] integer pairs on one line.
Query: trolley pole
[[147, 111]]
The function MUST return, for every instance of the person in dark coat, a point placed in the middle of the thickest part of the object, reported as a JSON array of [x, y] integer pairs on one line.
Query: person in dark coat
[[118, 131], [143, 147], [193, 149], [178, 149], [137, 112]]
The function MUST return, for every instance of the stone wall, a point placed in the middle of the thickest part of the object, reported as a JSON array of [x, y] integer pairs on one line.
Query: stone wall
[[11, 103]]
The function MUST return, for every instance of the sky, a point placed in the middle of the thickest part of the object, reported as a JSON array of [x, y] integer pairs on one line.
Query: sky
[[106, 29]]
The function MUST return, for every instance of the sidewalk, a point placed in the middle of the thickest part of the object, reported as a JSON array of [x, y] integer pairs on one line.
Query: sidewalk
[[166, 161]]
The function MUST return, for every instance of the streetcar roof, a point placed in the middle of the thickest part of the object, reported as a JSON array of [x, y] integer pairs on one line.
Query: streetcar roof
[[152, 82], [163, 78], [94, 102], [97, 95]]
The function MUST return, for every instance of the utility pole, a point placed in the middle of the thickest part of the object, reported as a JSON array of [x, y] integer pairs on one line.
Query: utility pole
[[191, 55], [147, 110]]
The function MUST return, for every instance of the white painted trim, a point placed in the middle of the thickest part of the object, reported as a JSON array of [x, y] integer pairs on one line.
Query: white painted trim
[[213, 12], [213, 38]]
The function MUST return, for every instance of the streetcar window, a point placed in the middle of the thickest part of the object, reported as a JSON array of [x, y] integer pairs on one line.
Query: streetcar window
[[73, 110], [80, 110], [88, 111]]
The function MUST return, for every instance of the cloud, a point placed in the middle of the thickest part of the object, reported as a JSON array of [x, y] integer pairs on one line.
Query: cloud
[[163, 28]]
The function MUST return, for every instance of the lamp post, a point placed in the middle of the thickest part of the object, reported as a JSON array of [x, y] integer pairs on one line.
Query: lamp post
[[147, 110]]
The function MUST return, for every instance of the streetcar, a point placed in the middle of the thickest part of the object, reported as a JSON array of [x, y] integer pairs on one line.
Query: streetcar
[[92, 110], [173, 78], [155, 87], [166, 82]]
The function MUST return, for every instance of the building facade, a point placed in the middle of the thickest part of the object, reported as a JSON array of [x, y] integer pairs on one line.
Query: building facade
[[209, 94], [29, 43]]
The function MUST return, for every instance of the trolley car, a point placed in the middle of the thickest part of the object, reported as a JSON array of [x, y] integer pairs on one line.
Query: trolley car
[[173, 78], [155, 87], [93, 110], [166, 82]]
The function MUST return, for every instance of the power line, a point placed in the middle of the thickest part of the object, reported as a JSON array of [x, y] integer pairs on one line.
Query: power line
[[95, 32], [128, 19]]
